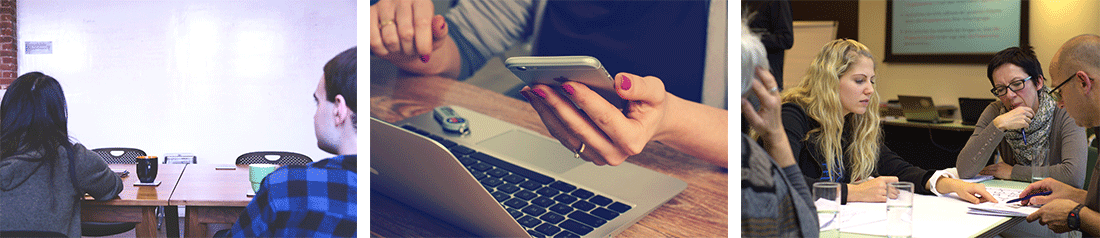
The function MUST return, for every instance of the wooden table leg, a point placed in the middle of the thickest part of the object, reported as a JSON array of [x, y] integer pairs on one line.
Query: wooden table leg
[[148, 225], [197, 218]]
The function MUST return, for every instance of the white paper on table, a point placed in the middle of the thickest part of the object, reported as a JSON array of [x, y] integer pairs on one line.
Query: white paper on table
[[1002, 209], [855, 214]]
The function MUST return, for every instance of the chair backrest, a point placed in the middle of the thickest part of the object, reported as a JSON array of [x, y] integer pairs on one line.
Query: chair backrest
[[31, 234], [126, 155], [274, 157]]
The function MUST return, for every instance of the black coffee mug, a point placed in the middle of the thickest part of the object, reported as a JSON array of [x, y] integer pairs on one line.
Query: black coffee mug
[[147, 168]]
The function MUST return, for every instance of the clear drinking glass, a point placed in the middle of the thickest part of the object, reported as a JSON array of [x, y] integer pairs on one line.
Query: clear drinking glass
[[1038, 163], [899, 210], [827, 201]]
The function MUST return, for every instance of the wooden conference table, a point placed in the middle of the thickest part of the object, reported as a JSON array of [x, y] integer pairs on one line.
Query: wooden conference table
[[211, 196], [699, 211], [136, 203]]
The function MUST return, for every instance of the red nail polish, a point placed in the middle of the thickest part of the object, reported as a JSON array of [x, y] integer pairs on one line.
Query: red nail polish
[[568, 88], [540, 93], [625, 85], [425, 58]]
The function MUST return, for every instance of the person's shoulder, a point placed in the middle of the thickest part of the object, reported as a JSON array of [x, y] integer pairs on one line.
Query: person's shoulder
[[339, 162]]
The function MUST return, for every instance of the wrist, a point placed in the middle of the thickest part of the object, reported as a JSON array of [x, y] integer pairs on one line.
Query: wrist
[[1073, 220], [668, 125]]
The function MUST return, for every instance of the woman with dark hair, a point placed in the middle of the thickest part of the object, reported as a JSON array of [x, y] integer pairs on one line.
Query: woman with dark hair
[[1024, 120], [43, 176]]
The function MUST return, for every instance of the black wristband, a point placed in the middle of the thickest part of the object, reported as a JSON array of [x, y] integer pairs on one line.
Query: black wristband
[[843, 193], [1073, 221]]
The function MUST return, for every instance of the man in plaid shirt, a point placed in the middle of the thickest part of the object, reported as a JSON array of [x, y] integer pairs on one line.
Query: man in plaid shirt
[[319, 199]]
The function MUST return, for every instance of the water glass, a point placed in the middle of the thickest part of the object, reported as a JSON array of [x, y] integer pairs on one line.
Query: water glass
[[827, 201], [147, 168], [899, 210], [1038, 165]]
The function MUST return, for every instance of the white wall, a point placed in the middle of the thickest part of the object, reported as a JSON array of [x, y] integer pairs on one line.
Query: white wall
[[213, 78]]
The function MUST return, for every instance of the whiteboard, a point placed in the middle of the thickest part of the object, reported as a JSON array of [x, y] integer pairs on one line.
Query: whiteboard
[[213, 78], [809, 37]]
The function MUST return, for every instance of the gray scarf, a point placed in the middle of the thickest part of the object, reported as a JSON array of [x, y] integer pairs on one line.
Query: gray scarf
[[1037, 131]]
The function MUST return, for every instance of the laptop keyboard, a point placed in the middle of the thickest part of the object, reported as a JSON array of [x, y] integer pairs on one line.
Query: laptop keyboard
[[544, 206]]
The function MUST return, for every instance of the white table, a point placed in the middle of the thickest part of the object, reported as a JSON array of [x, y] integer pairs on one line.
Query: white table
[[937, 217]]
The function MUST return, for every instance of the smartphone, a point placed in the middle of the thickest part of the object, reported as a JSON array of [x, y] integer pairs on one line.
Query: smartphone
[[554, 70]]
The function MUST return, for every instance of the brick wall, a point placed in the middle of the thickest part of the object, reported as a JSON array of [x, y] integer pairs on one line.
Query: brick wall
[[8, 43]]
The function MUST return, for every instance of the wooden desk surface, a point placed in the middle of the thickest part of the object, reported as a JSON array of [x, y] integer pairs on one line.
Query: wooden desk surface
[[167, 174], [202, 185], [700, 211]]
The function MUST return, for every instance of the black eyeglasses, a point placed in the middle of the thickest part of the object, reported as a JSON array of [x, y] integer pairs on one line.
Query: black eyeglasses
[[1056, 93], [1016, 86]]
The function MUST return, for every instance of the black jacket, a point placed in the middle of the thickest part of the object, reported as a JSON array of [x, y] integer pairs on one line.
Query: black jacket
[[798, 124]]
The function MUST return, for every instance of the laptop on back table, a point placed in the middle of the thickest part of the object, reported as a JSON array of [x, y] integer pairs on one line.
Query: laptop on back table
[[502, 180], [920, 109]]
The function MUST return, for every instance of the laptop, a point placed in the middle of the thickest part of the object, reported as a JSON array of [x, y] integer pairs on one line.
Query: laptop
[[971, 109], [920, 109], [502, 180]]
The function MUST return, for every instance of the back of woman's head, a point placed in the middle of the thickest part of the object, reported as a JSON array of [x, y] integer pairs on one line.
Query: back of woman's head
[[33, 116]]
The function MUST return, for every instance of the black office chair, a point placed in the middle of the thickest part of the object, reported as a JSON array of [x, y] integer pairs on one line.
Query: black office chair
[[125, 156], [6, 234], [274, 157]]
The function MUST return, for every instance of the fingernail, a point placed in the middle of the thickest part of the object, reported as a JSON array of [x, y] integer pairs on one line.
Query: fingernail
[[524, 94], [625, 85], [539, 92], [425, 58], [568, 89]]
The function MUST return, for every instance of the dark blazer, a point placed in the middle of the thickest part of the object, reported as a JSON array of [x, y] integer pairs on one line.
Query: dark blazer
[[798, 124]]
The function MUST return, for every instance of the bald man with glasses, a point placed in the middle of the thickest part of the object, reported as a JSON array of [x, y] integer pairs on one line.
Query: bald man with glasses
[[1068, 208]]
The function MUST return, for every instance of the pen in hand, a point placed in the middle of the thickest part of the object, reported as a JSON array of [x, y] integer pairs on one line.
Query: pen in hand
[[1028, 197]]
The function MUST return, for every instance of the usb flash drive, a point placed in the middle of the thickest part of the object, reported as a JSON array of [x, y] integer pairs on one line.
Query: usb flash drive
[[450, 120]]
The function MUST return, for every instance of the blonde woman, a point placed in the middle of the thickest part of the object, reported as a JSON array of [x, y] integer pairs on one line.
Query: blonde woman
[[834, 131]]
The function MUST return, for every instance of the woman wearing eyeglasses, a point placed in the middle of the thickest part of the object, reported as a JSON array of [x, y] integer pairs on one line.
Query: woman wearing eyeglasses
[[1024, 120], [832, 122]]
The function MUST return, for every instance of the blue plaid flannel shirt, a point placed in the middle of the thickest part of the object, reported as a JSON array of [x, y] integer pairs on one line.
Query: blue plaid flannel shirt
[[316, 200]]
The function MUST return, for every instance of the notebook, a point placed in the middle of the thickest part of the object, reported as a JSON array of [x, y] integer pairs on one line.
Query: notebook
[[971, 109], [501, 180], [920, 109]]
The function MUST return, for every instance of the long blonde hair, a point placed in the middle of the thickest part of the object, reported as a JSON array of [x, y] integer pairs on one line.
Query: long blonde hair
[[817, 94]]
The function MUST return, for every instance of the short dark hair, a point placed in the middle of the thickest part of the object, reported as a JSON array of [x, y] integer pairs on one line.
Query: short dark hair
[[1019, 56], [33, 116], [340, 78]]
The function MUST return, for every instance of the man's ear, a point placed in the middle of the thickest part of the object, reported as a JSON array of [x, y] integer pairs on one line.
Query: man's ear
[[340, 111], [1085, 80]]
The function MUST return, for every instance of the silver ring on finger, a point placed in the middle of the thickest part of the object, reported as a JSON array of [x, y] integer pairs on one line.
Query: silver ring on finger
[[577, 154], [774, 89]]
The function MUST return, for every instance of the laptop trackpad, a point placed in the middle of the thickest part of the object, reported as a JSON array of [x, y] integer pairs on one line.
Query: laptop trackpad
[[533, 150]]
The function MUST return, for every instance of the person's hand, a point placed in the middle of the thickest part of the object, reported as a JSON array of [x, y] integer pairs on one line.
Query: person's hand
[[999, 170], [405, 30], [970, 192], [874, 190], [1014, 119], [767, 119], [1058, 190], [1054, 214], [608, 135]]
